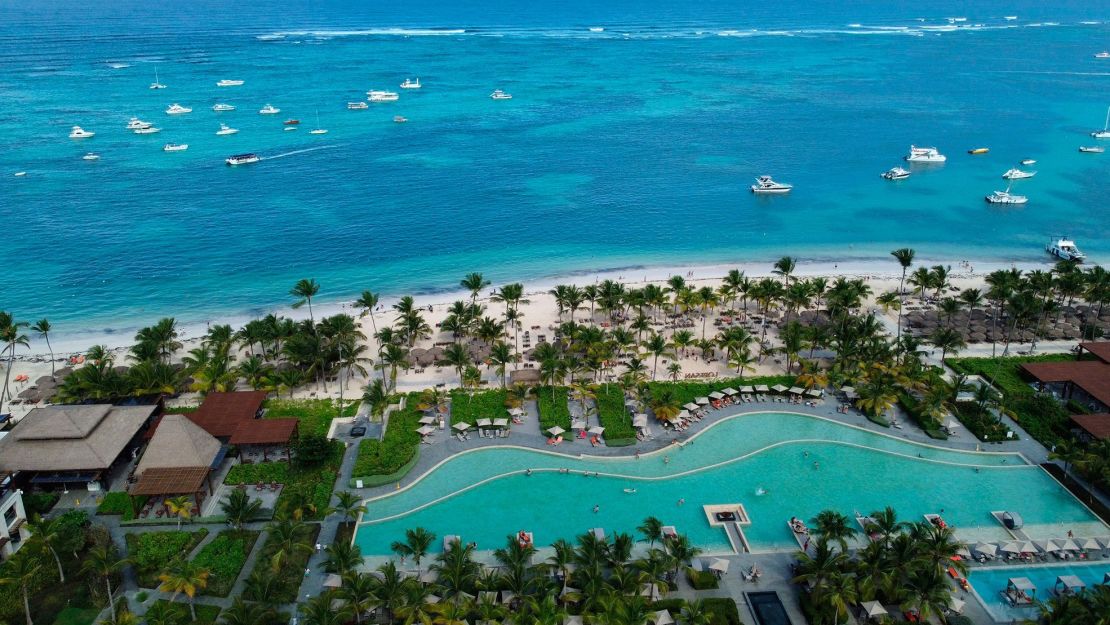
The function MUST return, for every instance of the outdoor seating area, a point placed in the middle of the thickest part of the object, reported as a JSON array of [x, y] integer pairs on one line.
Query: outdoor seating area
[[1033, 551]]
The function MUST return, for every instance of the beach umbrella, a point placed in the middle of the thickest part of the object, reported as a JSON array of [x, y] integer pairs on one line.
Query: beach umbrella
[[662, 617], [986, 549], [847, 389], [598, 430], [430, 599], [1104, 541], [796, 390], [1027, 547], [639, 420], [718, 564], [1046, 545], [730, 391], [578, 425], [963, 551], [427, 420], [1087, 544], [851, 395], [434, 353], [813, 392], [761, 388], [516, 412], [425, 430], [956, 604], [682, 414], [1068, 545], [778, 388], [747, 389], [690, 406], [555, 430], [702, 401], [462, 427], [333, 581], [416, 353], [873, 609], [500, 423], [716, 395], [484, 422], [1011, 547], [951, 425]]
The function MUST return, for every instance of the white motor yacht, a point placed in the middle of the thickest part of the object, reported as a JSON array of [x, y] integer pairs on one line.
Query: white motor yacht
[[1017, 174], [136, 124], [220, 107], [500, 95], [356, 106], [1028, 161], [1103, 55], [177, 109], [1105, 132], [229, 83], [1092, 149], [78, 132], [269, 110], [411, 84], [382, 96], [924, 155], [175, 147], [226, 130], [242, 159], [91, 156], [1005, 197], [1065, 249], [896, 173], [147, 130], [764, 184]]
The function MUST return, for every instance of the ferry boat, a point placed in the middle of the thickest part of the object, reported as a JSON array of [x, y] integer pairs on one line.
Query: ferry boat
[[156, 84], [397, 119], [382, 96], [1093, 149], [1105, 132], [1065, 249], [924, 155], [500, 95], [978, 150], [1005, 197], [220, 107], [1017, 174], [136, 124], [229, 83], [269, 110], [78, 132], [91, 156], [764, 184], [356, 106], [147, 130], [226, 130], [411, 84], [177, 109], [242, 159], [896, 173], [175, 147]]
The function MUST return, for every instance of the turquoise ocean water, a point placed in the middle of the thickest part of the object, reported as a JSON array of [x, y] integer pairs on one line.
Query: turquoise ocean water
[[625, 147]]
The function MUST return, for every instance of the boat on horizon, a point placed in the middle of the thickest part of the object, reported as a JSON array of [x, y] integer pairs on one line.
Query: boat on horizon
[[226, 130], [1016, 174], [242, 159], [91, 156], [1065, 249], [895, 173], [1093, 149], [357, 106], [924, 155], [382, 96], [229, 83], [978, 150], [78, 132], [411, 84], [269, 109], [764, 184], [500, 95], [1105, 132], [220, 107], [156, 84], [175, 147], [177, 109]]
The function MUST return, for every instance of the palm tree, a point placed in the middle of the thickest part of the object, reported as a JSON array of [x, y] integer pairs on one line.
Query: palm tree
[[358, 592], [21, 571], [694, 613], [830, 525], [349, 505], [416, 544], [904, 256], [240, 508], [657, 346], [389, 588], [11, 337], [785, 267], [47, 534], [103, 561], [184, 577], [343, 557], [458, 357], [652, 529], [838, 593], [681, 550], [501, 355], [288, 536], [246, 613], [474, 282], [456, 570], [948, 340], [42, 326], [318, 611], [181, 507], [304, 290]]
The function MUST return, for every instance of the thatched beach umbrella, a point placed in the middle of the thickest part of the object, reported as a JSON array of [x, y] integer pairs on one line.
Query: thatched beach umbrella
[[435, 354]]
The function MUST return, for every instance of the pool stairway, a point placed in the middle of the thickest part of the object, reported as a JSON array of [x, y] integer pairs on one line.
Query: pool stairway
[[732, 525], [1016, 533]]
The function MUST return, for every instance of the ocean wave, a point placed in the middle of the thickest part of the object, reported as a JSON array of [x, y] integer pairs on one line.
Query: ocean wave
[[367, 32], [119, 65]]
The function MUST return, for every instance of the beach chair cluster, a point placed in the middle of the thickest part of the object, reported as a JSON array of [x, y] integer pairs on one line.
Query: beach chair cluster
[[1027, 551]]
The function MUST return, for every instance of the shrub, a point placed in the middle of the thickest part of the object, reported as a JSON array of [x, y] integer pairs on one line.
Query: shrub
[[701, 580], [151, 552], [469, 407], [39, 503], [912, 406], [265, 472], [224, 557], [117, 502], [315, 415], [312, 450], [612, 414], [721, 610], [397, 447], [981, 422], [289, 578], [552, 403]]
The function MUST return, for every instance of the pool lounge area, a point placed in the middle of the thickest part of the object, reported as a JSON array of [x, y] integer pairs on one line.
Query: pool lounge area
[[988, 584], [776, 464]]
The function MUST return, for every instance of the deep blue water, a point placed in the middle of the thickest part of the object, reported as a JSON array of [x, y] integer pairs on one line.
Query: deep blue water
[[626, 147]]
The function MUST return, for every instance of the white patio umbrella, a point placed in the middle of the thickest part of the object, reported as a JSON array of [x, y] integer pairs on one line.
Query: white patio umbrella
[[1011, 547], [716, 395], [718, 564], [956, 604], [987, 549], [500, 423], [1047, 546], [1027, 547], [847, 389], [778, 388], [555, 430], [796, 390], [951, 425], [702, 401], [729, 391], [428, 420], [333, 581], [578, 425], [462, 427], [691, 406], [425, 430], [1067, 545], [963, 551], [761, 388], [516, 412], [813, 392], [662, 617], [1087, 544], [639, 420], [484, 422], [597, 429], [873, 609]]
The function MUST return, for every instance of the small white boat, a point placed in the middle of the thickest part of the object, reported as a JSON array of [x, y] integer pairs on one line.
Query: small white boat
[[20, 174], [242, 159], [137, 123], [397, 119], [78, 132], [177, 109], [357, 106], [596, 29], [91, 156], [1093, 149], [175, 147], [382, 96], [156, 84], [1028, 161], [1065, 249], [1017, 174], [411, 84], [1105, 132], [288, 128], [924, 155], [1009, 18], [147, 130], [1005, 197], [896, 173], [220, 107], [764, 184], [229, 83], [226, 130], [500, 95], [269, 110], [318, 130], [1103, 55]]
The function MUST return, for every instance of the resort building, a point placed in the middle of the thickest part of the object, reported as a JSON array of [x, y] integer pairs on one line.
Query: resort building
[[1085, 380], [178, 461], [73, 446], [236, 419], [13, 519]]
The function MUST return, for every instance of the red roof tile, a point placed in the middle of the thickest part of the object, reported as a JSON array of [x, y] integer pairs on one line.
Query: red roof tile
[[1097, 425], [221, 414], [1090, 375], [265, 432], [1101, 350]]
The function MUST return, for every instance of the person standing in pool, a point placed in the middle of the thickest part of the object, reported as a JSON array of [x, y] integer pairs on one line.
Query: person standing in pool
[[597, 508]]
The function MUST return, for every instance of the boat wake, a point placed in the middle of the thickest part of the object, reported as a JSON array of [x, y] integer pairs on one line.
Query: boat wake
[[284, 154]]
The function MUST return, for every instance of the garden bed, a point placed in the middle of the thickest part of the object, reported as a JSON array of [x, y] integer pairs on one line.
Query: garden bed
[[552, 404], [152, 552], [224, 558], [206, 614], [469, 407], [613, 415], [982, 423], [315, 415], [398, 447]]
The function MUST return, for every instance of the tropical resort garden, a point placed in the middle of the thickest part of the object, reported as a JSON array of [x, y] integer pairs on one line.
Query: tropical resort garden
[[267, 537]]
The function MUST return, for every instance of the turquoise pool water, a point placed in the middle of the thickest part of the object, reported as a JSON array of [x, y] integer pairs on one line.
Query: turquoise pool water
[[485, 495], [987, 583]]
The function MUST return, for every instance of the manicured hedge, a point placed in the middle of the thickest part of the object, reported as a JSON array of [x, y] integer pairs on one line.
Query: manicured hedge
[[552, 403], [981, 422], [152, 552], [398, 446], [686, 392], [265, 472], [224, 558], [315, 414], [912, 408], [721, 610], [120, 503], [469, 407], [612, 414], [701, 580]]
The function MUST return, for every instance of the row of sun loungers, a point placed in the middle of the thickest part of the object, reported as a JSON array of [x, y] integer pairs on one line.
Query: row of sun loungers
[[1022, 551]]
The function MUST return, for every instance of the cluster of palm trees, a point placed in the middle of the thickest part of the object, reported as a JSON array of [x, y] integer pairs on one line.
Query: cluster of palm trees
[[12, 336], [904, 564], [592, 576]]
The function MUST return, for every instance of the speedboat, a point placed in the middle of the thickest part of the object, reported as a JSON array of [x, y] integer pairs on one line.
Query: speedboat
[[382, 96], [411, 84], [136, 124], [764, 184], [896, 173], [268, 110], [1028, 161], [91, 156], [1103, 55], [1105, 132], [226, 130], [291, 122], [978, 150], [1065, 249], [500, 95], [397, 119], [80, 133], [223, 107], [242, 159], [175, 147], [924, 155], [318, 131], [177, 109], [147, 130], [1093, 149], [356, 106], [229, 83], [1017, 174], [1005, 197]]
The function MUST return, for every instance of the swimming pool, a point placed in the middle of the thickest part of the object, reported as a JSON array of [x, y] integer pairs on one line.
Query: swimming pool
[[805, 464], [987, 583]]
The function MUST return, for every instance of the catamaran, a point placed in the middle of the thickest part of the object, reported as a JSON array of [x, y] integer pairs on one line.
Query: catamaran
[[924, 155], [1105, 132], [764, 184]]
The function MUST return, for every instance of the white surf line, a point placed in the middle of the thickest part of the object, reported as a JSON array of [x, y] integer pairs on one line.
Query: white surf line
[[659, 478], [283, 155]]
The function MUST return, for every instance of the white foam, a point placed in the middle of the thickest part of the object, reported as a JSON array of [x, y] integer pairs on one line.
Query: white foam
[[370, 32], [119, 65]]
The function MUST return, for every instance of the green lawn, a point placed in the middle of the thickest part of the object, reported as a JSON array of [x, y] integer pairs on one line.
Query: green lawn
[[307, 484], [315, 414], [397, 447], [152, 552]]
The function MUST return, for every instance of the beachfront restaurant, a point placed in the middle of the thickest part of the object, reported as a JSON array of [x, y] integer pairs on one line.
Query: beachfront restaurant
[[235, 418], [1085, 380], [70, 447], [178, 460]]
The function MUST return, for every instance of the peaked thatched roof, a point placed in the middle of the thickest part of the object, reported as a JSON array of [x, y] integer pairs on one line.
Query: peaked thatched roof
[[179, 443], [71, 438]]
